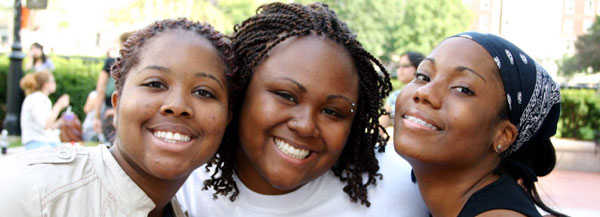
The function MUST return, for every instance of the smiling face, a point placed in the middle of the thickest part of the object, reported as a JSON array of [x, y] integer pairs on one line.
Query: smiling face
[[297, 114], [448, 115], [172, 111]]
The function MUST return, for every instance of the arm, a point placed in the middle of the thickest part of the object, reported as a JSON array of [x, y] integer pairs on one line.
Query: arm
[[90, 103], [100, 89], [60, 104], [100, 92]]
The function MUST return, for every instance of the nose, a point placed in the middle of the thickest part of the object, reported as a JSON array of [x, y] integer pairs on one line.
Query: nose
[[177, 105], [304, 122], [429, 94]]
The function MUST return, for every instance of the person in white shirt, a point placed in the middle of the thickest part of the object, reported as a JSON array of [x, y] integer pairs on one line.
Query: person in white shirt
[[39, 119], [172, 106], [305, 140]]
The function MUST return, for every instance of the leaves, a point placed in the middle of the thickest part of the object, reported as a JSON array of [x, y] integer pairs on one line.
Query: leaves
[[587, 53]]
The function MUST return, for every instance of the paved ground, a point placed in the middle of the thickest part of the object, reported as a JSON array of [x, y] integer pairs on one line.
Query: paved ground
[[571, 192]]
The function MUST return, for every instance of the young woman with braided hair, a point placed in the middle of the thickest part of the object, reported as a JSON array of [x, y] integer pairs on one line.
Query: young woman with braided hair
[[304, 140], [172, 107]]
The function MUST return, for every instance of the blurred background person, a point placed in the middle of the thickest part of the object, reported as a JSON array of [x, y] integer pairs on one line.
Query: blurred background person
[[38, 61], [89, 134], [409, 61], [39, 122], [105, 86]]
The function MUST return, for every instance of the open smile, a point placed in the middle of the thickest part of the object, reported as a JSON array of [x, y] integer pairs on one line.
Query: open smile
[[293, 153], [415, 121], [172, 141]]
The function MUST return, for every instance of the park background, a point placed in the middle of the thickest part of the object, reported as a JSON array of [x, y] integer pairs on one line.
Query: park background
[[562, 35]]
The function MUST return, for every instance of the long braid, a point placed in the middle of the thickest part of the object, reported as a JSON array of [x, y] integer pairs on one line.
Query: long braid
[[252, 41]]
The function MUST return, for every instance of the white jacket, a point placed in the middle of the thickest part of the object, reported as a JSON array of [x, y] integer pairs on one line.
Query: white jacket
[[70, 181]]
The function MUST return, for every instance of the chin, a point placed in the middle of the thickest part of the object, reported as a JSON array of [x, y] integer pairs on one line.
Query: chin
[[170, 170], [285, 182]]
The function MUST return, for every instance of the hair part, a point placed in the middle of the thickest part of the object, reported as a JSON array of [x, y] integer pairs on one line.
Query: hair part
[[252, 41], [34, 81]]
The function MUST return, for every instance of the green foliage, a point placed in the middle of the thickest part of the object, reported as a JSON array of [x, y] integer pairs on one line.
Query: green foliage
[[580, 114], [390, 27], [3, 88], [75, 76], [587, 53]]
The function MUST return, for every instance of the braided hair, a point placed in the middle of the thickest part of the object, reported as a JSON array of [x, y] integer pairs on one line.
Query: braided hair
[[252, 41], [129, 54]]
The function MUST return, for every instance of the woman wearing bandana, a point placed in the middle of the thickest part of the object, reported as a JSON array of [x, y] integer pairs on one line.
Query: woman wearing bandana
[[475, 124]]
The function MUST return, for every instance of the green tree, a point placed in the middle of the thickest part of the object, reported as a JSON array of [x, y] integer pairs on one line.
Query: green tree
[[389, 27], [587, 53]]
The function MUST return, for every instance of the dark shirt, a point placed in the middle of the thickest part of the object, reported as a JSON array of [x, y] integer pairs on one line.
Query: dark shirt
[[110, 84], [504, 193]]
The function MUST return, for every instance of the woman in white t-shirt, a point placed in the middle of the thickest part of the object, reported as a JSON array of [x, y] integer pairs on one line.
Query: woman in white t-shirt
[[305, 140], [39, 119]]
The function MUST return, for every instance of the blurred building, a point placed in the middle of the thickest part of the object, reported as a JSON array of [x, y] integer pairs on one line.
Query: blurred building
[[545, 29]]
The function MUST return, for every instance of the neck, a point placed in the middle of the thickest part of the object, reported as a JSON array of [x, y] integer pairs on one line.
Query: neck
[[446, 189], [45, 92], [159, 190]]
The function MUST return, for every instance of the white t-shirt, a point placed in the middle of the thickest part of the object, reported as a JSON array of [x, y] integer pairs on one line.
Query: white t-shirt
[[36, 109], [395, 195]]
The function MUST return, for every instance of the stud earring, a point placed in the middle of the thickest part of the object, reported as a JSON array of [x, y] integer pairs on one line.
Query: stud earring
[[499, 148], [352, 110]]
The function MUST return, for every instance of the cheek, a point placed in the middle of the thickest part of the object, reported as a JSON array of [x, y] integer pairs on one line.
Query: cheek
[[336, 136]]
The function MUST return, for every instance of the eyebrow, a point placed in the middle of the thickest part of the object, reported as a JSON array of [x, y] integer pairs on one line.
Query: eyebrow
[[206, 75], [463, 68], [330, 97], [300, 86], [156, 67], [459, 68]]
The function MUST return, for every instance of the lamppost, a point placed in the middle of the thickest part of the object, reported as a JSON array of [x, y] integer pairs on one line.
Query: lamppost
[[15, 72]]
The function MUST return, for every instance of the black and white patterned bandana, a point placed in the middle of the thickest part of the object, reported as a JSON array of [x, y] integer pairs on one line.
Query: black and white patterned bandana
[[533, 97]]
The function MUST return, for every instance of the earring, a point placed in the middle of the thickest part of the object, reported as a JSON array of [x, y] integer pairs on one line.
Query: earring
[[499, 148]]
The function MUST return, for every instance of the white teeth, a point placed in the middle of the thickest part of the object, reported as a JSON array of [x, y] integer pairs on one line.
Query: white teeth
[[290, 150], [171, 137], [419, 121]]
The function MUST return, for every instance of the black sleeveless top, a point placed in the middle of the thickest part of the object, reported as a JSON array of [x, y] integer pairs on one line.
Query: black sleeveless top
[[504, 193]]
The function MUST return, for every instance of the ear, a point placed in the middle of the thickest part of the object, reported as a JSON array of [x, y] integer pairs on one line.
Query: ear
[[506, 134], [114, 98]]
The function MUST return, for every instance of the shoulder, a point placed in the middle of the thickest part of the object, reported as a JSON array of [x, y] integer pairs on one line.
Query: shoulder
[[47, 168], [395, 194], [500, 213], [31, 177]]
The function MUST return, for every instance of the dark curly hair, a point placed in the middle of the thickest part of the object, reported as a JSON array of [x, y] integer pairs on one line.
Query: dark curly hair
[[252, 41], [129, 54]]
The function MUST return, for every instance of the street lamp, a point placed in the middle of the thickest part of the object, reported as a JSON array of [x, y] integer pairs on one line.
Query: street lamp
[[15, 72]]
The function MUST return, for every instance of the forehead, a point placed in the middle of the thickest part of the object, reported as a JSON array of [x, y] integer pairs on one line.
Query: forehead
[[457, 51], [311, 58], [180, 49]]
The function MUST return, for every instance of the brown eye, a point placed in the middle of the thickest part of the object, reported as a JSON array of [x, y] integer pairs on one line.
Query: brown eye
[[464, 90], [286, 96], [204, 93], [155, 84], [422, 77]]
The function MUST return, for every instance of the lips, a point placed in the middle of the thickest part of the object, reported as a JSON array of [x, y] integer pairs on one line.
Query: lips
[[173, 137], [291, 151], [421, 120]]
